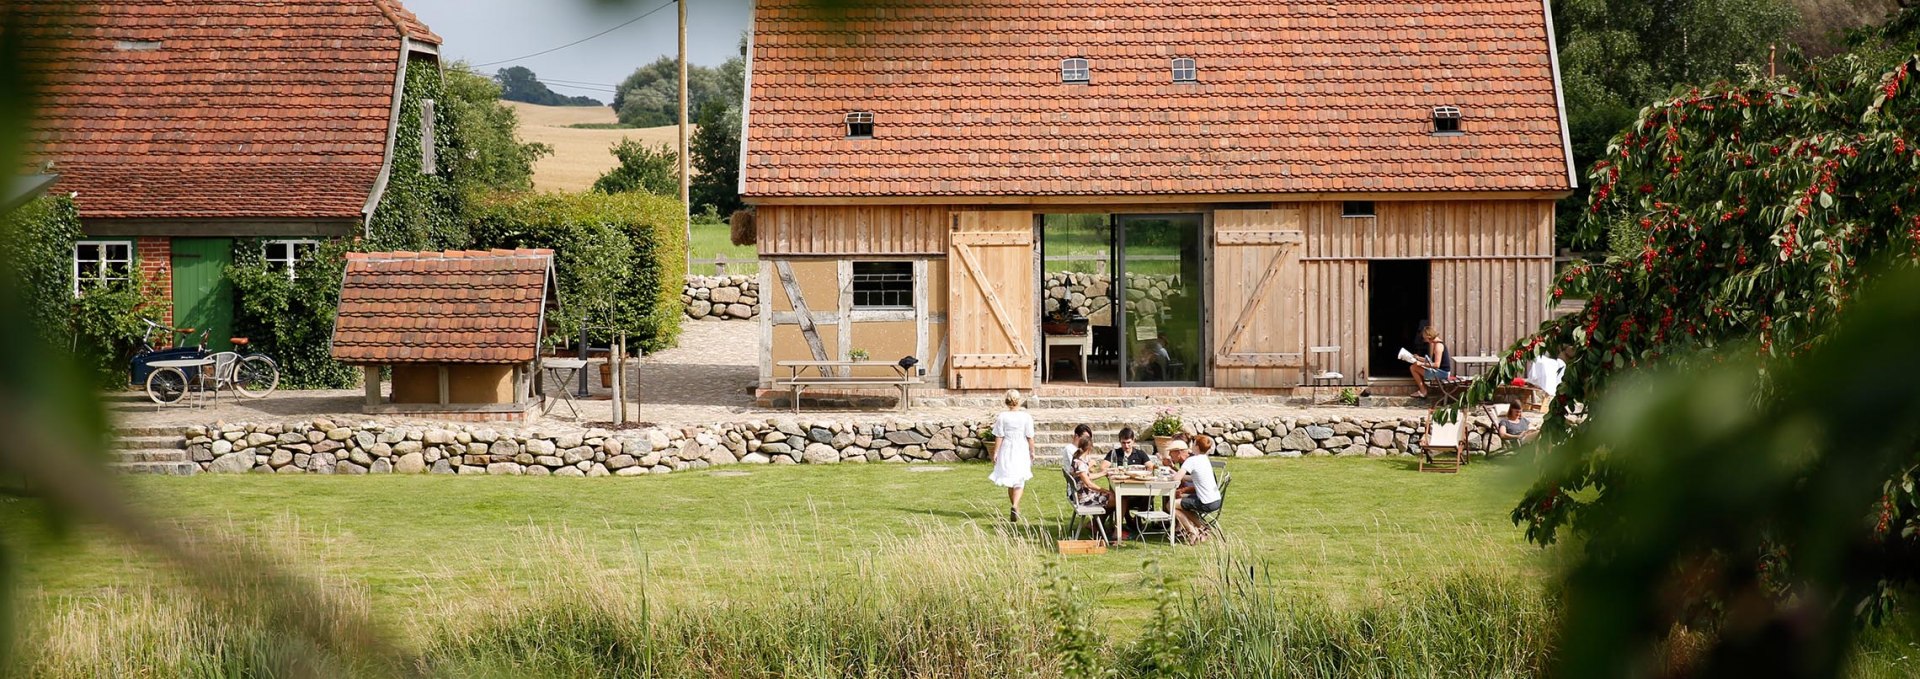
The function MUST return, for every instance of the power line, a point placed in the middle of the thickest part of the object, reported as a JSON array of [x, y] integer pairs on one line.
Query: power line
[[624, 24]]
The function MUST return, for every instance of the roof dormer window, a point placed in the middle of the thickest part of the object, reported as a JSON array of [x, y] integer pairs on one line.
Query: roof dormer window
[[1184, 70], [1074, 70], [1446, 120], [860, 125]]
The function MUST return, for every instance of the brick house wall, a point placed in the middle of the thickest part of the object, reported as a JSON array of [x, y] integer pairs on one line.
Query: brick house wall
[[154, 256]]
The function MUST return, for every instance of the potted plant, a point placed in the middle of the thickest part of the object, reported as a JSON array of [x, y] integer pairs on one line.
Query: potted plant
[[857, 354], [1057, 322], [1166, 423]]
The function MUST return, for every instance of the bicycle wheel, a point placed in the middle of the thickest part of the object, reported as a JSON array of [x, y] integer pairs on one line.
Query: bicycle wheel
[[166, 386], [256, 376]]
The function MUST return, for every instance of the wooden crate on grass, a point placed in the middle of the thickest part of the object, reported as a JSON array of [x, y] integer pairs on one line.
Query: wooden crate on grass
[[1082, 547]]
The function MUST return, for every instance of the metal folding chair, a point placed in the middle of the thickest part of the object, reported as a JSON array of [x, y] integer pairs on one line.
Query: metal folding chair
[[1097, 516], [1212, 519]]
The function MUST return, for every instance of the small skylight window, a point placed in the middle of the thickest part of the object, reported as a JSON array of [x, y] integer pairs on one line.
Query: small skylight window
[[136, 45], [1074, 70], [1446, 120], [1184, 70], [1357, 208], [860, 125]]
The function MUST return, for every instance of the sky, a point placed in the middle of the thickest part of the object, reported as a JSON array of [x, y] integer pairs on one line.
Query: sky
[[482, 31]]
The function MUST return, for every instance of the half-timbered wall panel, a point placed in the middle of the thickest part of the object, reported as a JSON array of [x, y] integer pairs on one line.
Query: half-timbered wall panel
[[851, 229]]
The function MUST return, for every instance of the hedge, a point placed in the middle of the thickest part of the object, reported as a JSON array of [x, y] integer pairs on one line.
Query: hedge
[[631, 247]]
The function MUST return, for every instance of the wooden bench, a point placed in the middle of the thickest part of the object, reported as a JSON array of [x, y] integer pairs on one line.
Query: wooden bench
[[840, 374]]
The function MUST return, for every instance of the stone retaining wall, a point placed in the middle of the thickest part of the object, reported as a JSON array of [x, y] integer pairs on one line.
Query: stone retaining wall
[[1088, 295], [721, 297], [327, 447]]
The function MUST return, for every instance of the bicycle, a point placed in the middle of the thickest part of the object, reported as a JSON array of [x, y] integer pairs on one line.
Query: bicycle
[[168, 381]]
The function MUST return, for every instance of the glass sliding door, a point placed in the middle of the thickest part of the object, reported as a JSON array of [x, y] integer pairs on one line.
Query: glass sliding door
[[1161, 296]]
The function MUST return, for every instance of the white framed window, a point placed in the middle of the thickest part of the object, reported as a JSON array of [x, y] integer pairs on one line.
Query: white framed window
[[1184, 70], [883, 285], [860, 125], [1446, 120], [285, 255], [100, 263], [429, 151], [1074, 70]]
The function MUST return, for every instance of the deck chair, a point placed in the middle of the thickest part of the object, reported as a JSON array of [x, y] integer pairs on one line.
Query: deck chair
[[1082, 514], [1443, 448]]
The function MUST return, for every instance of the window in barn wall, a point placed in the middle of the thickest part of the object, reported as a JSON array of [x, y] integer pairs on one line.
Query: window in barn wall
[[883, 285], [1184, 70], [100, 263], [860, 125], [429, 155], [1357, 208], [284, 255], [1074, 70]]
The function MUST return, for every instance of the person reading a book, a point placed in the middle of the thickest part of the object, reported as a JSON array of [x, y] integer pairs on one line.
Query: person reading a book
[[1436, 365]]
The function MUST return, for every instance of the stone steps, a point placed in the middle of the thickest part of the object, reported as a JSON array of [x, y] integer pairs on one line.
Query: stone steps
[[152, 455], [126, 442], [167, 468], [150, 450]]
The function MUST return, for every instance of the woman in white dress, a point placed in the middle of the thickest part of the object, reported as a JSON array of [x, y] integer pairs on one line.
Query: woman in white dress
[[1013, 451]]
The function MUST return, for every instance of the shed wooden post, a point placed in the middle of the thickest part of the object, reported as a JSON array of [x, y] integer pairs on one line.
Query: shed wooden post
[[446, 392], [372, 381]]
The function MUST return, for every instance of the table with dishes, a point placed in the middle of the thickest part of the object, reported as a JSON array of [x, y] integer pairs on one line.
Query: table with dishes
[[1139, 482]]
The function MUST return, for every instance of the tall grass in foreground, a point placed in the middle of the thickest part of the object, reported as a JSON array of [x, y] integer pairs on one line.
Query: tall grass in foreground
[[952, 602]]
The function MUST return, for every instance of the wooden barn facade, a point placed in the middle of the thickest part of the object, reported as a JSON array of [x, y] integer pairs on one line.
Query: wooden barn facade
[[1214, 195]]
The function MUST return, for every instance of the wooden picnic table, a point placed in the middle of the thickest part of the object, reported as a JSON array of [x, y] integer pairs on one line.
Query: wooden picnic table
[[840, 373]]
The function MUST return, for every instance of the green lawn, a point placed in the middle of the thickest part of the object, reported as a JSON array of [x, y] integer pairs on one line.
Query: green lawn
[[1340, 528], [711, 239]]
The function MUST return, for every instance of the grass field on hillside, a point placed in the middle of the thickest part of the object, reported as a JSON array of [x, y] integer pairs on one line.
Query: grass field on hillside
[[579, 155]]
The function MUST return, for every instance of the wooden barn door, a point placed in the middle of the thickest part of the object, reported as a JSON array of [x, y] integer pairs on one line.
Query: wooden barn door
[[1258, 299], [990, 320]]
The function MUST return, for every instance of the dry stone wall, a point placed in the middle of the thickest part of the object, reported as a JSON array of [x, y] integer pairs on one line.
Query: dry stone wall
[[1089, 294], [328, 447], [725, 298]]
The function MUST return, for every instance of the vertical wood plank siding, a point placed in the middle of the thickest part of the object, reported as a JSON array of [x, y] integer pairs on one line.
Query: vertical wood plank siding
[[1491, 264], [852, 229]]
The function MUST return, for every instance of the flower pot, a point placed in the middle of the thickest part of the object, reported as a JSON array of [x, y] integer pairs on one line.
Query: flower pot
[[606, 374], [1160, 444], [1056, 328]]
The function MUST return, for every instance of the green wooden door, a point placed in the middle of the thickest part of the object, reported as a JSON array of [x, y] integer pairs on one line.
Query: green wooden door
[[202, 296]]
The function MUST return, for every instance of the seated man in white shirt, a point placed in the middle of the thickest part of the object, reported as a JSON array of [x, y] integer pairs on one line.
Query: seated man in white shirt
[[1200, 497]]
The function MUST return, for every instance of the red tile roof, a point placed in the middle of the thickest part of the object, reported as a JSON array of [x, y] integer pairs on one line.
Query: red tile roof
[[1292, 96], [442, 307], [220, 108]]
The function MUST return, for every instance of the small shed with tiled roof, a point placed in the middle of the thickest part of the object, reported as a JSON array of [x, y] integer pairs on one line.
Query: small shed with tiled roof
[[460, 330], [1257, 196]]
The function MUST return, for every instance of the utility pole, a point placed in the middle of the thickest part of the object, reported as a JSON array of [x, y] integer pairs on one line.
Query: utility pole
[[686, 190]]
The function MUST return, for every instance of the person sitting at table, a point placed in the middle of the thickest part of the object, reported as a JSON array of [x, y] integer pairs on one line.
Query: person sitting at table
[[1086, 492], [1202, 496], [1071, 450], [1514, 429], [1126, 454]]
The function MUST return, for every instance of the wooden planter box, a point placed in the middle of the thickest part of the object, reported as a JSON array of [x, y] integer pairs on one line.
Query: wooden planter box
[[1070, 547]]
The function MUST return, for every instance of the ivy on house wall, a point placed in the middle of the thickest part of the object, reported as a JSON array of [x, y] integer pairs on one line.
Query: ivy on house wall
[[419, 211], [103, 326], [291, 319], [40, 238]]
